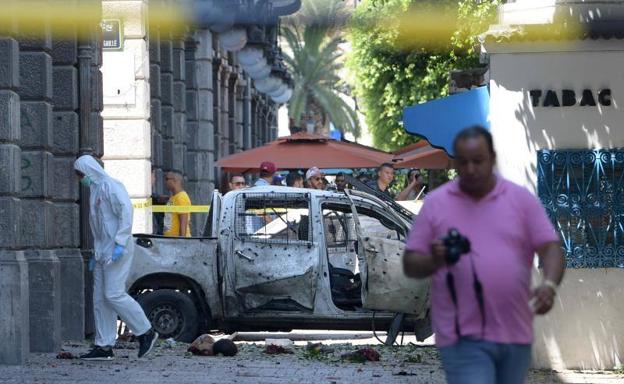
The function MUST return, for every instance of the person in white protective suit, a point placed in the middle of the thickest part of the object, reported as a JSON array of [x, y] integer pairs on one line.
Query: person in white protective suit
[[111, 224]]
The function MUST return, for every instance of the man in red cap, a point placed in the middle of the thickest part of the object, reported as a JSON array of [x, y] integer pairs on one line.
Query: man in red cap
[[267, 170]]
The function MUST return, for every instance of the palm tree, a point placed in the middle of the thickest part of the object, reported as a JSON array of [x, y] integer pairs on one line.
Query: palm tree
[[314, 58]]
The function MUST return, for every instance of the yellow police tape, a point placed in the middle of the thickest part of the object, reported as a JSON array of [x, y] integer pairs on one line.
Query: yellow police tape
[[147, 204], [181, 209]]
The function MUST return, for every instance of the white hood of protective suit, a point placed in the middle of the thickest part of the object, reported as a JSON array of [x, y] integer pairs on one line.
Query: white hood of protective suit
[[110, 210]]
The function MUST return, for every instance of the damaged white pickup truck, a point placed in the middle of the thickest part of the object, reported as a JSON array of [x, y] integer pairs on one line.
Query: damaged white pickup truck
[[278, 258]]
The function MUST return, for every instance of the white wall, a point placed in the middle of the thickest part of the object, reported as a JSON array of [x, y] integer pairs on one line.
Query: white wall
[[585, 328], [520, 129], [127, 134]]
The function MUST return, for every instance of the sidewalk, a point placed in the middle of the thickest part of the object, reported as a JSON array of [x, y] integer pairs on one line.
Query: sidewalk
[[171, 364]]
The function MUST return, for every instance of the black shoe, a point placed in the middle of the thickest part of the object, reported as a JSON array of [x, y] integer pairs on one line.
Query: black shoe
[[146, 342], [99, 353]]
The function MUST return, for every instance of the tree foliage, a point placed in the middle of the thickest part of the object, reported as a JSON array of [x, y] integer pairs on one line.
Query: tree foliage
[[403, 52], [315, 58]]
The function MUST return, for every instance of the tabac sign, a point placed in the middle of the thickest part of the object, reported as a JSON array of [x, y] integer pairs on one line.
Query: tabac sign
[[569, 98], [112, 37]]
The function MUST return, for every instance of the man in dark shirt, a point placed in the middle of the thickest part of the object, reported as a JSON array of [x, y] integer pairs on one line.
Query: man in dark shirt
[[385, 175]]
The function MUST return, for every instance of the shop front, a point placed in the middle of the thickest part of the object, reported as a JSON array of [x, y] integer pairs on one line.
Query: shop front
[[557, 117]]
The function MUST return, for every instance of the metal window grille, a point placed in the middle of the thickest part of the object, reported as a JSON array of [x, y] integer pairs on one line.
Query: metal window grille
[[583, 193], [282, 218]]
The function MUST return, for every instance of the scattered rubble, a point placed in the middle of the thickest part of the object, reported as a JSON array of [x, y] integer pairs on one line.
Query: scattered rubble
[[273, 349], [397, 364], [64, 355], [362, 355], [279, 346], [169, 343]]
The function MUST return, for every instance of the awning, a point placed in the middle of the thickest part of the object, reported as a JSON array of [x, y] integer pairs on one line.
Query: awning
[[303, 150], [422, 155], [439, 121]]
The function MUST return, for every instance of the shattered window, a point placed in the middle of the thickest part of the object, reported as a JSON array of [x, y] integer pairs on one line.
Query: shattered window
[[339, 228], [273, 217], [339, 224]]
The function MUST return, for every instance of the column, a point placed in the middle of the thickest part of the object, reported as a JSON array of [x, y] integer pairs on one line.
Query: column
[[127, 133], [37, 211], [65, 187], [14, 324]]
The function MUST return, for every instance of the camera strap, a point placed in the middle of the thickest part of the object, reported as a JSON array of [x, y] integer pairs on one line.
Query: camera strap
[[450, 283], [478, 289]]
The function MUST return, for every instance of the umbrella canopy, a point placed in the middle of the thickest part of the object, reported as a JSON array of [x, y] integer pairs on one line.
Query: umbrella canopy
[[304, 150], [422, 155]]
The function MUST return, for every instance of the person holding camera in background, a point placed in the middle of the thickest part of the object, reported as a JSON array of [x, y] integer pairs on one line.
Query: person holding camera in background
[[477, 236], [414, 186]]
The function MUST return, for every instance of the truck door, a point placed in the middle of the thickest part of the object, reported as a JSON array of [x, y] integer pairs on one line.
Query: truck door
[[274, 253], [211, 229], [381, 242]]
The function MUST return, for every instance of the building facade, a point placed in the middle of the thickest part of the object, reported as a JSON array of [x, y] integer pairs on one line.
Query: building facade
[[178, 98], [556, 95], [141, 95]]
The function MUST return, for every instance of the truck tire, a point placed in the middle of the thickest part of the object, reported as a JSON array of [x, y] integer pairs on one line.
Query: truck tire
[[172, 314]]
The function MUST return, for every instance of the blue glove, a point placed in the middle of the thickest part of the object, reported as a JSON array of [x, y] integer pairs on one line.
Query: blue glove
[[91, 264], [118, 252]]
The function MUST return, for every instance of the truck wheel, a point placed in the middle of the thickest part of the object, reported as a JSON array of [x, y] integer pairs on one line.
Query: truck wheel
[[172, 314]]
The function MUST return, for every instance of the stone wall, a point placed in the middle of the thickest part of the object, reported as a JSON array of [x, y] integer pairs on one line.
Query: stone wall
[[47, 116]]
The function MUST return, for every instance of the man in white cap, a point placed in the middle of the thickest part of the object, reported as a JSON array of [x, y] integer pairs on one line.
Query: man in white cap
[[110, 217], [314, 178]]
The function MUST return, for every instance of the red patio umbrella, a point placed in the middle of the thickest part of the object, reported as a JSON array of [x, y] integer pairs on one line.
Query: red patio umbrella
[[422, 155], [304, 150]]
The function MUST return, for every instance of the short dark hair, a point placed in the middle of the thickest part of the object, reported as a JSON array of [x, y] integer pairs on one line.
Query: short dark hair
[[226, 347], [474, 132], [340, 174], [385, 165], [232, 176], [177, 174], [292, 177]]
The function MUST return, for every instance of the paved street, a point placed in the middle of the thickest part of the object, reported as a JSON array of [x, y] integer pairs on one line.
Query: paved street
[[172, 364]]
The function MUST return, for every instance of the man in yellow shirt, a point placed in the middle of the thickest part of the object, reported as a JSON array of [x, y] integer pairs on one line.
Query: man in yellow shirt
[[177, 224]]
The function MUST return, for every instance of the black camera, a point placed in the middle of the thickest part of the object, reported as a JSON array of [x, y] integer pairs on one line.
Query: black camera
[[456, 245]]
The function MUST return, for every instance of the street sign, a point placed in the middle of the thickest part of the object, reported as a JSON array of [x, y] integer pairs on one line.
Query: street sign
[[112, 37]]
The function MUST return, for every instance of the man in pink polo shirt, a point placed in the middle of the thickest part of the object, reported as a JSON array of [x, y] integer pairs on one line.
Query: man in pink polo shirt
[[482, 305]]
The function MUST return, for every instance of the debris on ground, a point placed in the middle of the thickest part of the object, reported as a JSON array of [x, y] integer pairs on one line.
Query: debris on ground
[[279, 346], [64, 355], [169, 343], [319, 348], [403, 373], [273, 349], [361, 355]]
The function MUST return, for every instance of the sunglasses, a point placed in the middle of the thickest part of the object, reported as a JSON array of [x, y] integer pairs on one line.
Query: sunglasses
[[317, 178]]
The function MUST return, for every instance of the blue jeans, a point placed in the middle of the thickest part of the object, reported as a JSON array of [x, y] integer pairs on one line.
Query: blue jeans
[[482, 362]]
